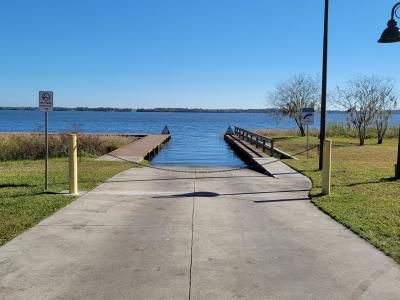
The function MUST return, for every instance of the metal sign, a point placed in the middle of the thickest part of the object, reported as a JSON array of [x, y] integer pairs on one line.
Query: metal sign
[[45, 101], [307, 114], [229, 131], [165, 130], [46, 105]]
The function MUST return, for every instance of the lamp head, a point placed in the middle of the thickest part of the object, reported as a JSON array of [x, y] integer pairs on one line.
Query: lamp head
[[391, 34]]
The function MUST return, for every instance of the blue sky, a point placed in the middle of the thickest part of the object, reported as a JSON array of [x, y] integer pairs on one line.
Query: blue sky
[[210, 54]]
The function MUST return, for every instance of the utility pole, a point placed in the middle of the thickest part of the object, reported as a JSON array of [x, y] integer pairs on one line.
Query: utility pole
[[322, 132]]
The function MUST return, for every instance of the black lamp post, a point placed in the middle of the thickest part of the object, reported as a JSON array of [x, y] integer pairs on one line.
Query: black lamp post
[[391, 35], [323, 89]]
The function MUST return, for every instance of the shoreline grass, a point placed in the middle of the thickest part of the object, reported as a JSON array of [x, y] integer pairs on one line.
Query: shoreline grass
[[365, 197], [19, 146], [23, 203], [334, 130]]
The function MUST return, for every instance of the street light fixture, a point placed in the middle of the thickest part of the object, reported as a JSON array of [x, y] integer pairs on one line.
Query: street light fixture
[[391, 35]]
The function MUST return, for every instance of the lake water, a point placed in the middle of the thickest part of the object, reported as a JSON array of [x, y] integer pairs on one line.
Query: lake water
[[197, 138]]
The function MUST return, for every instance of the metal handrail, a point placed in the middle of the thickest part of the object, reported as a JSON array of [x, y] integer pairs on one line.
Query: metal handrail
[[258, 139]]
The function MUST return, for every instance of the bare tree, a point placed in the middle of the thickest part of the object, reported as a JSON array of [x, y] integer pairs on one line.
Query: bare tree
[[362, 98], [294, 94], [387, 101]]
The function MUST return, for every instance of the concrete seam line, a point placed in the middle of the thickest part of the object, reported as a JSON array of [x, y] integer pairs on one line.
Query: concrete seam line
[[207, 172], [191, 242]]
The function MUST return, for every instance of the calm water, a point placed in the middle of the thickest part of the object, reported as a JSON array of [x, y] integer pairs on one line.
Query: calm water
[[197, 138]]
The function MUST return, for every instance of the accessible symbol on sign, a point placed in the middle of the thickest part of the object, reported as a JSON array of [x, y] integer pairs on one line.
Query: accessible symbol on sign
[[45, 101], [307, 114]]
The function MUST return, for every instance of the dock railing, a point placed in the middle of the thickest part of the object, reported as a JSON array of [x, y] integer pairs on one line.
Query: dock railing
[[256, 139]]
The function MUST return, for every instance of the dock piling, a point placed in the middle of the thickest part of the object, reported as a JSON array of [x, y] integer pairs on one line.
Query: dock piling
[[73, 165]]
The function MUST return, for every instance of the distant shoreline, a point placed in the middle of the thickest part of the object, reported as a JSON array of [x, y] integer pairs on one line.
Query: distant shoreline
[[161, 109], [180, 110]]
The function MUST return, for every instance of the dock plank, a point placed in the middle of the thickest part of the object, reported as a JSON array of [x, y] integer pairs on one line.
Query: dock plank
[[139, 150]]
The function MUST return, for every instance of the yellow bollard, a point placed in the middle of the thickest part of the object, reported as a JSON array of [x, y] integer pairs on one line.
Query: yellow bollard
[[326, 168], [73, 165]]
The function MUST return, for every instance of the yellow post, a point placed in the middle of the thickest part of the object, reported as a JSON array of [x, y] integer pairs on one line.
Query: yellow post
[[73, 165], [326, 168]]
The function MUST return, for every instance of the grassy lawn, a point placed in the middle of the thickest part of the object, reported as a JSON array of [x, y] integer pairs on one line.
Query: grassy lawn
[[365, 198], [22, 201]]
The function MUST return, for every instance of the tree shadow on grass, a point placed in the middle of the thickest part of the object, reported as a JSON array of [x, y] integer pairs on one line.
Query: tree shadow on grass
[[382, 180], [285, 138], [10, 185], [302, 170], [344, 144], [38, 193]]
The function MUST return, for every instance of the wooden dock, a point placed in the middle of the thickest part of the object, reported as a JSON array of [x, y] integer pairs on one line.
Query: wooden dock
[[254, 148], [257, 143], [144, 148]]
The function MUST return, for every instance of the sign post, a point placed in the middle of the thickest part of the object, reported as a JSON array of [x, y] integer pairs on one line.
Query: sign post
[[308, 144], [46, 105], [307, 114]]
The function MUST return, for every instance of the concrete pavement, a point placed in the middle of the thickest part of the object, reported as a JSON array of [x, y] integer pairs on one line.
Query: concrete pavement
[[150, 234]]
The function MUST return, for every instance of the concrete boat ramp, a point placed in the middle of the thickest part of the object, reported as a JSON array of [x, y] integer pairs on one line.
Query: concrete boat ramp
[[197, 233]]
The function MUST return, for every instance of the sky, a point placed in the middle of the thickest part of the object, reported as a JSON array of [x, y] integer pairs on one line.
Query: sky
[[176, 53]]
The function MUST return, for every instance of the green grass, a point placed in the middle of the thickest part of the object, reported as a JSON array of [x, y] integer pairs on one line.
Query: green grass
[[22, 200], [364, 198]]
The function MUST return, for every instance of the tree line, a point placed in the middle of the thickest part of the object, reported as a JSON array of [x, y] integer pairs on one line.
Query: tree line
[[367, 100]]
